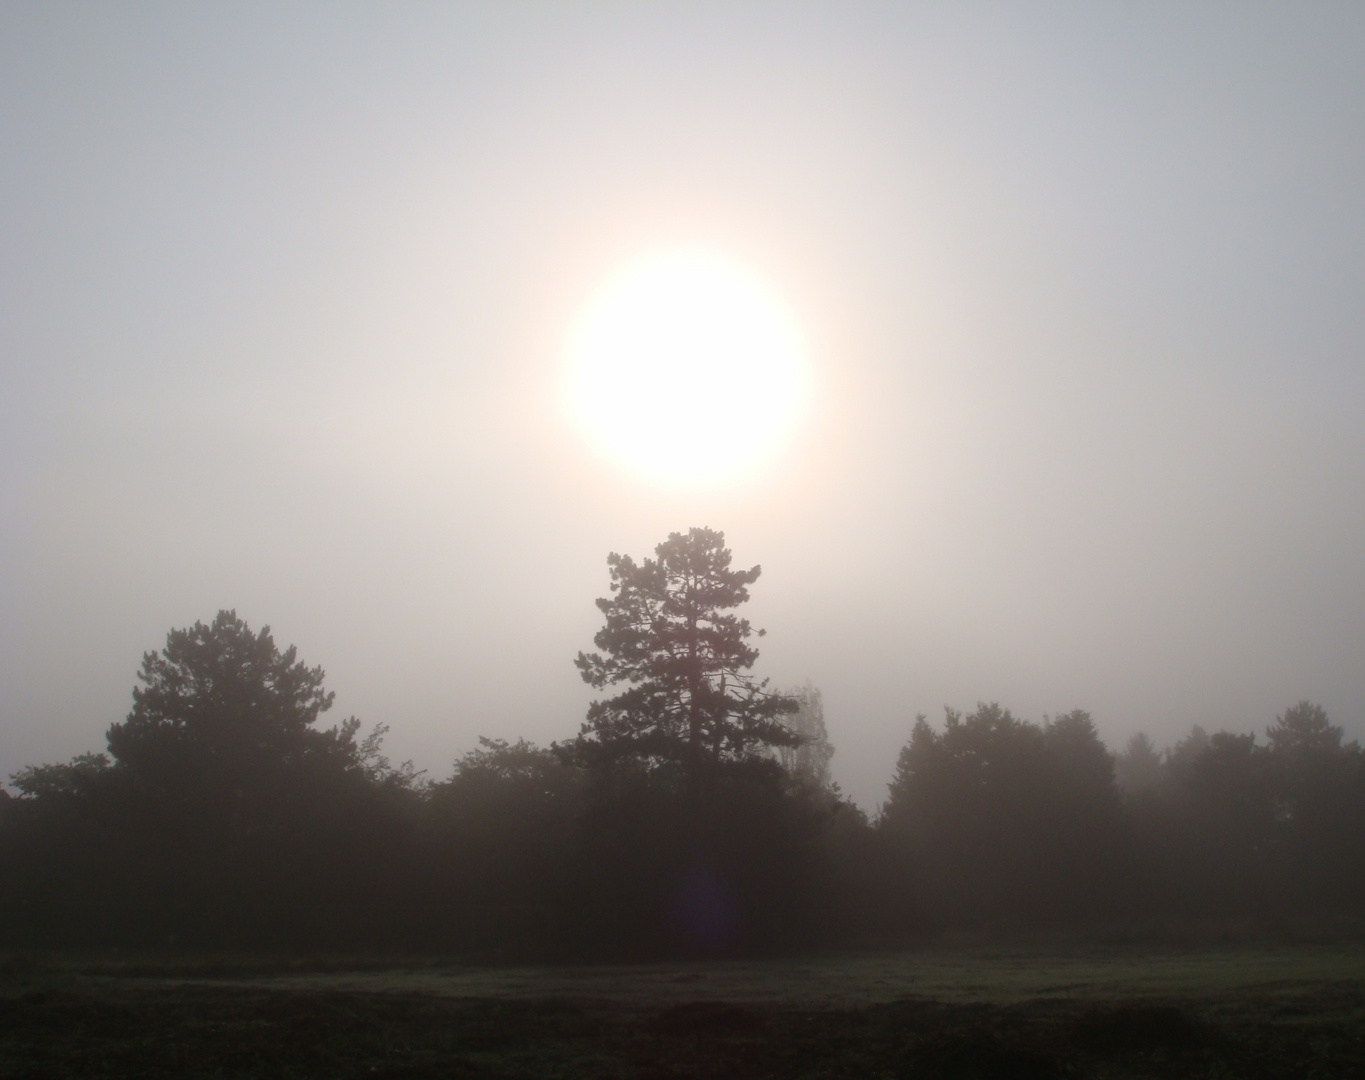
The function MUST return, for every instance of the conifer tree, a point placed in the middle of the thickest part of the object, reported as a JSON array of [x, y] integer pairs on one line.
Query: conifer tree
[[221, 705], [671, 637]]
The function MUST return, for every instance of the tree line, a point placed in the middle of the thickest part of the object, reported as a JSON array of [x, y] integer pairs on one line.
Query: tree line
[[693, 813]]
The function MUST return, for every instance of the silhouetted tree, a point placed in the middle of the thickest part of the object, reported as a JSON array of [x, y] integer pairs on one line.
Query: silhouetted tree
[[1304, 733], [72, 780], [1181, 757], [1235, 829], [1317, 789], [695, 837], [670, 637], [222, 706], [503, 839], [225, 815], [1138, 769], [995, 818], [1227, 820]]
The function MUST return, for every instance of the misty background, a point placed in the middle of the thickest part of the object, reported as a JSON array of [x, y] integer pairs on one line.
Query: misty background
[[285, 295]]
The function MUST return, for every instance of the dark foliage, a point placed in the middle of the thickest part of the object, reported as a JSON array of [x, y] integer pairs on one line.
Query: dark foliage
[[227, 819], [1229, 828], [996, 821], [224, 817], [528, 854], [685, 660]]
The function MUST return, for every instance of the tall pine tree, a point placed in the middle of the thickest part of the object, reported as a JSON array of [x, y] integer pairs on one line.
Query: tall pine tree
[[671, 638]]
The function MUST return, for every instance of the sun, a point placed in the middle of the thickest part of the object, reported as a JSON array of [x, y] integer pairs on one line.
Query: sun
[[685, 367]]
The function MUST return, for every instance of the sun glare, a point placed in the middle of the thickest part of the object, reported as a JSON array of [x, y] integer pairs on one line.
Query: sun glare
[[686, 368]]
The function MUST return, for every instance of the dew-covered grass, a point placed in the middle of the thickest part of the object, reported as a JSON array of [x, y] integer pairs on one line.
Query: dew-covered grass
[[1082, 1011]]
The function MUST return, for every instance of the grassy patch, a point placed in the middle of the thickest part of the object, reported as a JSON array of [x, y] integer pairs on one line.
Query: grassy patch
[[951, 1016]]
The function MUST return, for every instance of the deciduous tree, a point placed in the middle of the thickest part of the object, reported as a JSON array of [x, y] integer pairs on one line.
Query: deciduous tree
[[809, 760]]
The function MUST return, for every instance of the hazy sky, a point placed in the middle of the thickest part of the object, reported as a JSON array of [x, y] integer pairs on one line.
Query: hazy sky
[[285, 292]]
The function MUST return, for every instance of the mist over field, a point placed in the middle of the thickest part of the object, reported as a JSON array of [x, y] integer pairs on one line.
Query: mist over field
[[289, 294], [793, 540]]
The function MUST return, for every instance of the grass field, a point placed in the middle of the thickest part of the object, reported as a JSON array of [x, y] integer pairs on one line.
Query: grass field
[[966, 1013]]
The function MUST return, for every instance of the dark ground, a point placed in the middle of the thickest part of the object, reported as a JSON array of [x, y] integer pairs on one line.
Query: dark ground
[[72, 1020]]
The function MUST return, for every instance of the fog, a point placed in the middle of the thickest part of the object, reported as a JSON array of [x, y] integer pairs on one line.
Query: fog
[[286, 295]]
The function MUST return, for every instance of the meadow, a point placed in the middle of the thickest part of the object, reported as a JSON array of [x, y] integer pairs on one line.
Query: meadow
[[1036, 1012]]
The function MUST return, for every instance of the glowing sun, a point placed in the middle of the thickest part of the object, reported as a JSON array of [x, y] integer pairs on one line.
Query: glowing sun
[[687, 368]]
